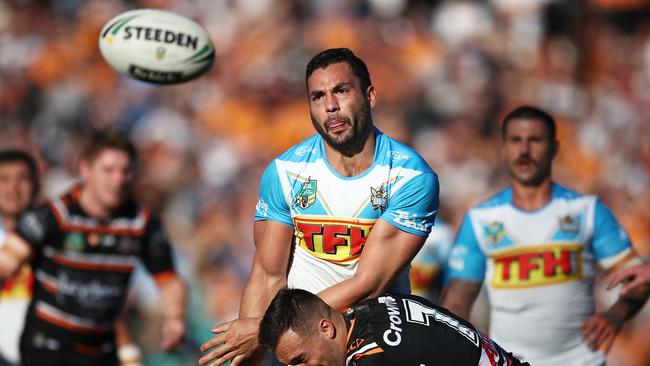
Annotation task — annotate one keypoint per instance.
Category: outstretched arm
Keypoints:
(386, 253)
(237, 340)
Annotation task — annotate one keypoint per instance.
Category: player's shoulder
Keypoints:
(397, 154)
(498, 199)
(308, 150)
(562, 192)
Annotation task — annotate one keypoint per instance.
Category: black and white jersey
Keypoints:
(409, 330)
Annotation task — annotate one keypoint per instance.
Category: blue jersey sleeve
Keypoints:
(609, 237)
(467, 260)
(272, 204)
(414, 206)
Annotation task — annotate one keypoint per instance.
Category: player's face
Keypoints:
(316, 349)
(108, 177)
(528, 151)
(339, 107)
(16, 188)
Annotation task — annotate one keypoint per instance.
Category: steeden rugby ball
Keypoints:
(156, 46)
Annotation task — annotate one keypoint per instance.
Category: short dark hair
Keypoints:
(108, 139)
(530, 112)
(336, 55)
(290, 309)
(20, 156)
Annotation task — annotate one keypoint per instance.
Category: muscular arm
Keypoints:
(386, 253)
(237, 340)
(459, 295)
(13, 254)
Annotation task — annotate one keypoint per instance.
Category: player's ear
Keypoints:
(327, 329)
(371, 94)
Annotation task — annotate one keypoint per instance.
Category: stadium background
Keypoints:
(445, 72)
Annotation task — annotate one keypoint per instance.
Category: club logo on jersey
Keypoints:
(534, 266)
(494, 232)
(379, 197)
(570, 224)
(333, 240)
(307, 194)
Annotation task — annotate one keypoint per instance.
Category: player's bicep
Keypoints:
(273, 247)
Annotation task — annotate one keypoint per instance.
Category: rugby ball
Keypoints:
(156, 46)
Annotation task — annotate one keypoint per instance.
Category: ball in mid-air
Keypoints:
(156, 46)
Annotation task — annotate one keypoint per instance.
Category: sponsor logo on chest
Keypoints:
(334, 240)
(533, 266)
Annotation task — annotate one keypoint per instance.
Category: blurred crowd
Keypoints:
(445, 73)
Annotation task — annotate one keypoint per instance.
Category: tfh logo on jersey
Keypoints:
(533, 266)
(334, 240)
(307, 194)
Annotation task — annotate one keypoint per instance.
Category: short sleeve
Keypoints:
(467, 260)
(157, 254)
(413, 208)
(36, 226)
(609, 237)
(272, 204)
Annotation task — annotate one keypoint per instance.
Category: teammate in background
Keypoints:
(18, 191)
(330, 191)
(301, 329)
(632, 279)
(537, 243)
(83, 247)
(429, 267)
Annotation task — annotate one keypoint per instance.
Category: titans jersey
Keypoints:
(332, 215)
(539, 270)
(429, 267)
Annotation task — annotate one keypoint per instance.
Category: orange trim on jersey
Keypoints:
(63, 323)
(100, 229)
(368, 353)
(50, 287)
(86, 350)
(91, 266)
(164, 276)
(352, 322)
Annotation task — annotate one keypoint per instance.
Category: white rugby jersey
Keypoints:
(332, 215)
(539, 270)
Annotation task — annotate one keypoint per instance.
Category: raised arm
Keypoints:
(386, 253)
(13, 254)
(237, 339)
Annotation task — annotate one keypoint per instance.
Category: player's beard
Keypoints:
(351, 141)
(541, 172)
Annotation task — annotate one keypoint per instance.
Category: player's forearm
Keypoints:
(342, 295)
(258, 293)
(173, 293)
(628, 305)
(459, 295)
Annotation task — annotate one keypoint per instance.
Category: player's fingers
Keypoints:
(237, 360)
(232, 355)
(222, 327)
(213, 342)
(216, 353)
(636, 282)
(616, 278)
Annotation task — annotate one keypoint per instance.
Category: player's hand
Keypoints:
(600, 331)
(173, 331)
(631, 278)
(235, 340)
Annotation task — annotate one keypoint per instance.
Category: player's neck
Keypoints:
(92, 206)
(350, 165)
(530, 198)
(343, 334)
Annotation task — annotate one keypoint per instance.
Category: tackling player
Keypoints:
(301, 329)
